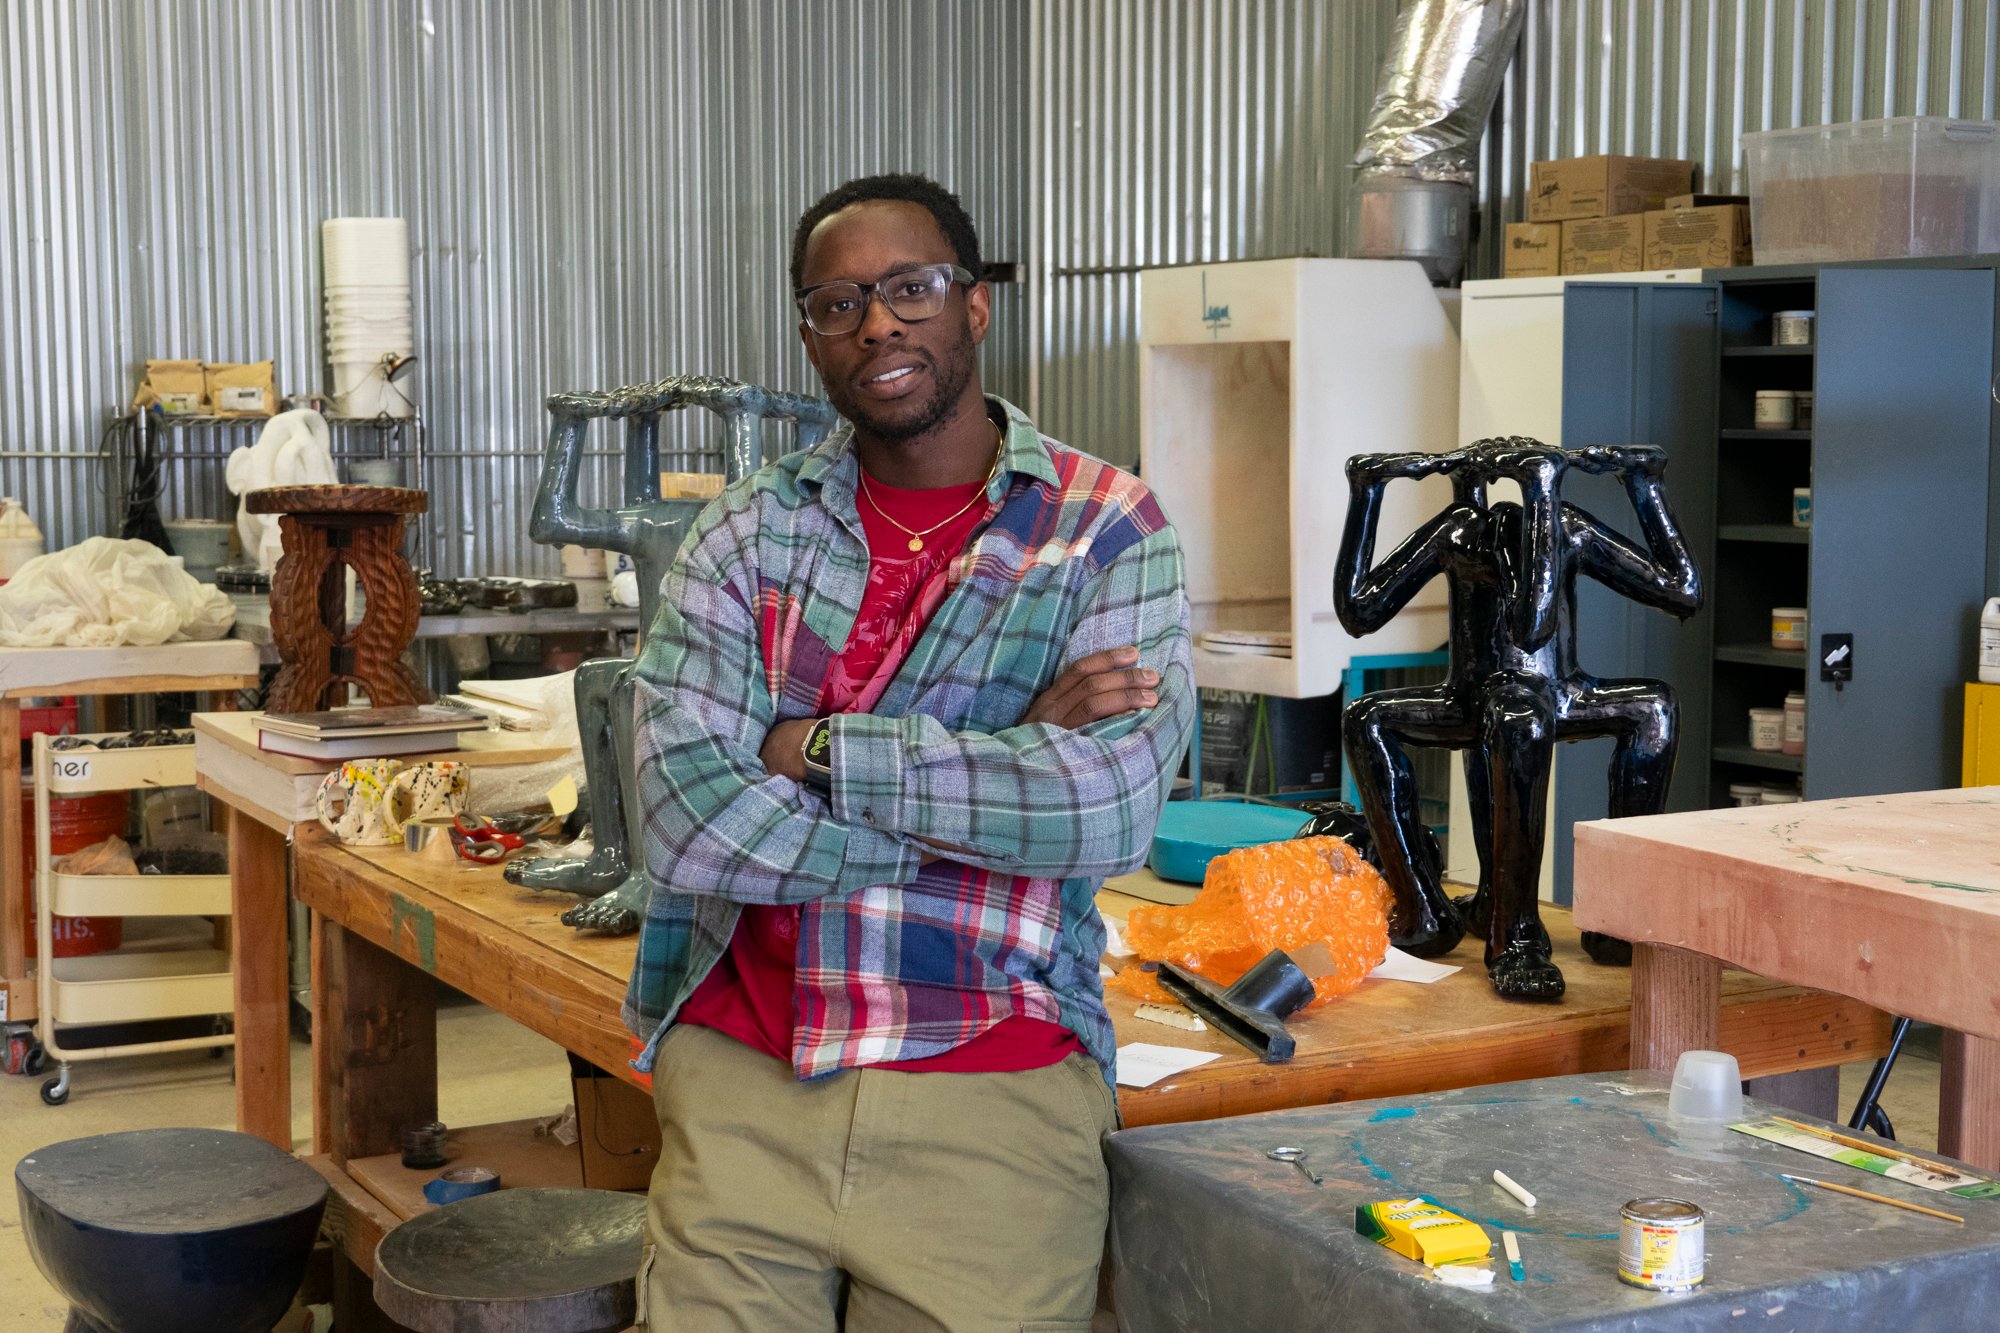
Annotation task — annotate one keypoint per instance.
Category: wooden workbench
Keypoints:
(385, 922)
(218, 666)
(1894, 900)
(268, 796)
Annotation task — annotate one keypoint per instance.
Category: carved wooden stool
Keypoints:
(328, 530)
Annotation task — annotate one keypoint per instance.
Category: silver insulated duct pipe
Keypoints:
(1413, 196)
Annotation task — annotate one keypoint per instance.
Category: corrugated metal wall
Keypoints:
(1182, 131)
(598, 191)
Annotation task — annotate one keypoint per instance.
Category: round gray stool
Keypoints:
(170, 1230)
(547, 1260)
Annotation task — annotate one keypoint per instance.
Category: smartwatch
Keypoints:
(817, 753)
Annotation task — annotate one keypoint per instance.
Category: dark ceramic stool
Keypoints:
(170, 1230)
(516, 1260)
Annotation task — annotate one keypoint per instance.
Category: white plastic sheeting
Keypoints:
(108, 593)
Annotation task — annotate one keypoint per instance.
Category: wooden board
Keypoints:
(1892, 898)
(465, 925)
(128, 670)
(506, 947)
(513, 1148)
(1394, 1038)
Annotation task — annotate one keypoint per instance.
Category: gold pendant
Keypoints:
(916, 543)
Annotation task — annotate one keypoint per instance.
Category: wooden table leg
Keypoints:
(13, 885)
(257, 897)
(1969, 1100)
(1676, 999)
(374, 1045)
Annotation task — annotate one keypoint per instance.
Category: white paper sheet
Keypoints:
(1399, 966)
(1141, 1064)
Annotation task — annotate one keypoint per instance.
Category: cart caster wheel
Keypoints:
(54, 1092)
(35, 1061)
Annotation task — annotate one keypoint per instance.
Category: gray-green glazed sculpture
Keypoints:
(650, 530)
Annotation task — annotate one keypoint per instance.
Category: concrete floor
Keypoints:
(490, 1069)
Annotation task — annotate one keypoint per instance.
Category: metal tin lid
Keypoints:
(1671, 1211)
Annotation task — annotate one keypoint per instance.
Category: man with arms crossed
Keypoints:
(910, 697)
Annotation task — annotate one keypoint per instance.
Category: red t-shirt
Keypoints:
(748, 994)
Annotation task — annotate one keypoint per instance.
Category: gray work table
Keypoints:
(1208, 1234)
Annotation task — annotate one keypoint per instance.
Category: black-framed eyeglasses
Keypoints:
(912, 295)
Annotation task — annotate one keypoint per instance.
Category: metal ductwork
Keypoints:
(1413, 195)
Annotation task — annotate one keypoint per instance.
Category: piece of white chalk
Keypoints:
(1501, 1179)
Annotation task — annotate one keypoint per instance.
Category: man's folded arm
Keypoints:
(716, 822)
(1038, 799)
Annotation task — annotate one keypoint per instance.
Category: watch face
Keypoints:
(819, 746)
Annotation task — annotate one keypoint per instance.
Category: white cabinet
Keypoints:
(1510, 383)
(1258, 381)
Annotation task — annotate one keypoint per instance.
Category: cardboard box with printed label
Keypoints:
(1698, 237)
(1532, 250)
(1604, 245)
(1600, 187)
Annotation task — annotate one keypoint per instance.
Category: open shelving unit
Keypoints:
(1760, 560)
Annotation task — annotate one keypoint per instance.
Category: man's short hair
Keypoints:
(905, 187)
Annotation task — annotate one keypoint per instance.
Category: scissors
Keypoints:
(483, 841)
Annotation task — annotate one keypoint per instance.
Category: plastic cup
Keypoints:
(1708, 1088)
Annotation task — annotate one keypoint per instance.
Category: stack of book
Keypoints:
(366, 733)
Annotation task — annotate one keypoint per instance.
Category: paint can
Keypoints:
(1795, 723)
(1802, 409)
(1788, 627)
(1745, 793)
(1662, 1245)
(1777, 409)
(1792, 328)
(1767, 730)
(423, 1145)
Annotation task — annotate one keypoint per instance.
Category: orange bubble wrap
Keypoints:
(1282, 895)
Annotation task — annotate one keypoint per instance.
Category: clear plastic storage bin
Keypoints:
(1874, 189)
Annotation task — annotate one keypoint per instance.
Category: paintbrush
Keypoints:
(1878, 1198)
(1877, 1147)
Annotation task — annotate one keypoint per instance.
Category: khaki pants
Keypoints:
(908, 1201)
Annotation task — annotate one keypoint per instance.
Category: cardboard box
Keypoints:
(1716, 237)
(1604, 245)
(1603, 187)
(1681, 201)
(1533, 250)
(617, 1130)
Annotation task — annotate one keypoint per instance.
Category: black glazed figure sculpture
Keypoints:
(1513, 688)
(650, 530)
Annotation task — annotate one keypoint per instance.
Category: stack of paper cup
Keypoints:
(367, 313)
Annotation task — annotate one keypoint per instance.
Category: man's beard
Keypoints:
(948, 380)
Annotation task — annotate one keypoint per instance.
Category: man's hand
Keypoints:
(1106, 684)
(784, 749)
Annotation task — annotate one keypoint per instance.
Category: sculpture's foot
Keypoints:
(614, 913)
(1432, 930)
(1476, 911)
(1607, 949)
(590, 876)
(1522, 971)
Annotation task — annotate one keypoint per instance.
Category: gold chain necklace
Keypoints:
(916, 537)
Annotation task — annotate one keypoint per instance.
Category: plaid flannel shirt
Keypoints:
(900, 961)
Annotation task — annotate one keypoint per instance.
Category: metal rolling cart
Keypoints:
(150, 980)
